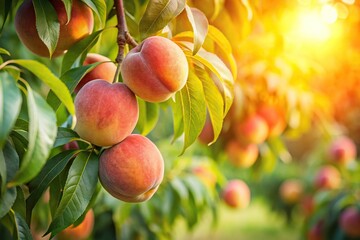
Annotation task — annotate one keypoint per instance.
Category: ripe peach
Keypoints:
(274, 119)
(252, 129)
(236, 194)
(132, 170)
(71, 145)
(81, 231)
(350, 221)
(342, 150)
(79, 26)
(291, 191)
(106, 113)
(242, 155)
(206, 175)
(328, 177)
(155, 69)
(105, 71)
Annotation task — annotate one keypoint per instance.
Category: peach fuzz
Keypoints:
(252, 130)
(240, 155)
(80, 25)
(81, 231)
(155, 69)
(105, 113)
(132, 170)
(105, 71)
(236, 194)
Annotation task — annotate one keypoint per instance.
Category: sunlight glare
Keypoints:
(311, 26)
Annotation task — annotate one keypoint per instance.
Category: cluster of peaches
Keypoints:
(340, 154)
(130, 167)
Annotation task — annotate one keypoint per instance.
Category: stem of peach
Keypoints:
(123, 37)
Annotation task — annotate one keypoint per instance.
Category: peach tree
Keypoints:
(59, 136)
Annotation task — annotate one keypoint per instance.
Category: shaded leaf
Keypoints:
(47, 24)
(158, 14)
(53, 167)
(148, 116)
(78, 49)
(64, 135)
(192, 101)
(7, 200)
(5, 9)
(79, 188)
(19, 204)
(42, 134)
(71, 79)
(55, 84)
(9, 163)
(22, 229)
(10, 104)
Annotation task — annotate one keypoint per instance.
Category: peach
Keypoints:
(342, 150)
(252, 129)
(132, 170)
(291, 191)
(205, 174)
(307, 205)
(350, 221)
(81, 231)
(105, 71)
(328, 177)
(236, 194)
(155, 69)
(71, 145)
(242, 155)
(80, 25)
(274, 119)
(105, 113)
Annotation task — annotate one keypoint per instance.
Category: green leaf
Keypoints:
(7, 200)
(10, 104)
(42, 134)
(99, 8)
(196, 188)
(78, 49)
(71, 78)
(47, 24)
(148, 116)
(180, 188)
(199, 25)
(19, 204)
(158, 14)
(9, 163)
(79, 188)
(51, 170)
(4, 51)
(214, 101)
(192, 101)
(64, 135)
(22, 229)
(55, 84)
(5, 9)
